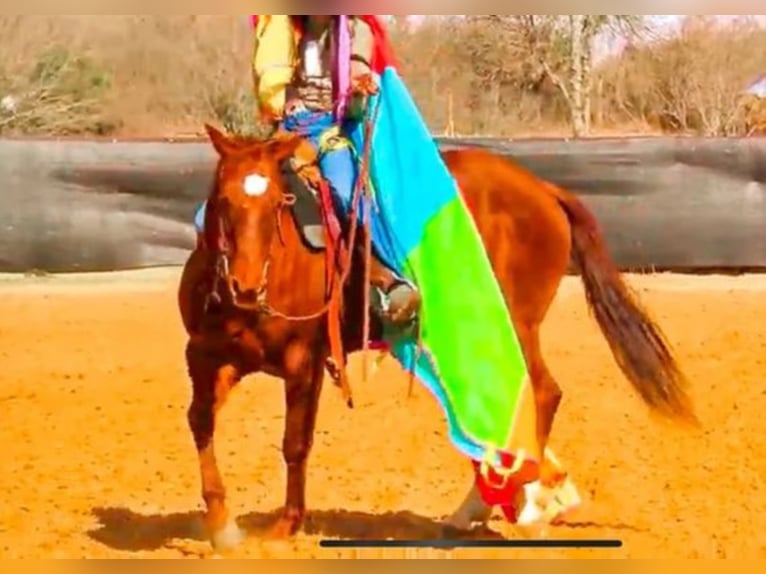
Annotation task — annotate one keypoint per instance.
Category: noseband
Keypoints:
(261, 305)
(222, 268)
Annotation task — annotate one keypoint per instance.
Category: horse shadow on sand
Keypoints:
(124, 530)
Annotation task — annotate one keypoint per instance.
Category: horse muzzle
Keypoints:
(247, 298)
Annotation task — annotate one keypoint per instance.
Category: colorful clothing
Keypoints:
(304, 101)
(277, 57)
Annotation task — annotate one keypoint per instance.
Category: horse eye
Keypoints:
(255, 185)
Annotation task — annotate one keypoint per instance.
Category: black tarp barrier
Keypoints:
(664, 203)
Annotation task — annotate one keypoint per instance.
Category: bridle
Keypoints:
(338, 279)
(337, 273)
(222, 269)
(261, 306)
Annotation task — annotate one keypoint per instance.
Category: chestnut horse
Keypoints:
(252, 298)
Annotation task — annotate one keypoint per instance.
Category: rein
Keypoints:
(261, 304)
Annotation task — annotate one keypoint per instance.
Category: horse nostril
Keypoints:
(241, 293)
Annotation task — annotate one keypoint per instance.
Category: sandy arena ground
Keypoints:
(98, 462)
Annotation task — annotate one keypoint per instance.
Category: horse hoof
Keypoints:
(456, 525)
(544, 505)
(227, 538)
(452, 532)
(284, 529)
(473, 510)
(457, 529)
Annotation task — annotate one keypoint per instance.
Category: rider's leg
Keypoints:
(199, 222)
(339, 167)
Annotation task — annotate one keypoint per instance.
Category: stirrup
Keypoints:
(412, 294)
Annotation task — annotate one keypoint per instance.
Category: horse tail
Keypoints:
(637, 343)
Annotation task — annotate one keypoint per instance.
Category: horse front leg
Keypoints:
(303, 387)
(212, 380)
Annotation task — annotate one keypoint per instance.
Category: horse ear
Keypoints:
(222, 144)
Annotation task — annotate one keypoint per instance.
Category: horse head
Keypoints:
(243, 211)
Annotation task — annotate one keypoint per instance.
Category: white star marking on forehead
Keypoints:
(255, 185)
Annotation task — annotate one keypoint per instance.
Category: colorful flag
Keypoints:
(472, 360)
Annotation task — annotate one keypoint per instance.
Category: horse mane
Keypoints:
(247, 141)
(210, 230)
(243, 141)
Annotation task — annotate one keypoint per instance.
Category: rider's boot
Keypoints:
(403, 299)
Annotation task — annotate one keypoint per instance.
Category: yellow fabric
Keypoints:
(273, 62)
(332, 139)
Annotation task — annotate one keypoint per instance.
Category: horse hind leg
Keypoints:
(546, 390)
(550, 497)
(303, 386)
(212, 382)
(547, 395)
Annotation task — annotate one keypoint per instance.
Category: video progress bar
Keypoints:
(453, 544)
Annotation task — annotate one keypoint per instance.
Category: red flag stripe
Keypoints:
(383, 54)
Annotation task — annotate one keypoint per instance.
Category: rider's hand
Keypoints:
(365, 85)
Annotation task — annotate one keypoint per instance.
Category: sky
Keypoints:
(665, 24)
(607, 45)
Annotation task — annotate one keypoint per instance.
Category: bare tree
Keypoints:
(562, 47)
(578, 34)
